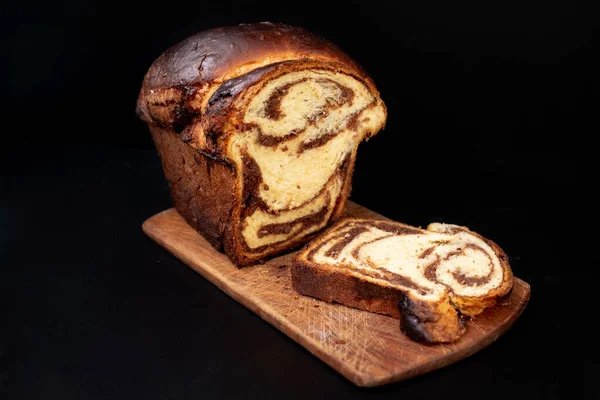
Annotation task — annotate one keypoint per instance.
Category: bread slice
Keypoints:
(257, 127)
(431, 279)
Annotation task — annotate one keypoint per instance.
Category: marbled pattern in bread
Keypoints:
(429, 278)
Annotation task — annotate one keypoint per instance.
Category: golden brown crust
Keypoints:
(202, 189)
(226, 52)
(425, 321)
(336, 287)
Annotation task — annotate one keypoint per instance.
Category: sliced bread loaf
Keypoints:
(431, 279)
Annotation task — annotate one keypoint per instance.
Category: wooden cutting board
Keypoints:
(366, 348)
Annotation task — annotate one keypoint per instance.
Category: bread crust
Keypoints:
(428, 322)
(336, 287)
(223, 53)
(202, 188)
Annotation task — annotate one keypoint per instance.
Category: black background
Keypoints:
(493, 111)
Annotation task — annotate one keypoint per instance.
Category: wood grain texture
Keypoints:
(366, 348)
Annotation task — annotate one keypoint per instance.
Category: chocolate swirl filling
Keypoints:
(348, 237)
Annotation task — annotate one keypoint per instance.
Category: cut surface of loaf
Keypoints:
(429, 278)
(281, 111)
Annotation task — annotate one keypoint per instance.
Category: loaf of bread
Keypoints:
(430, 279)
(257, 127)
